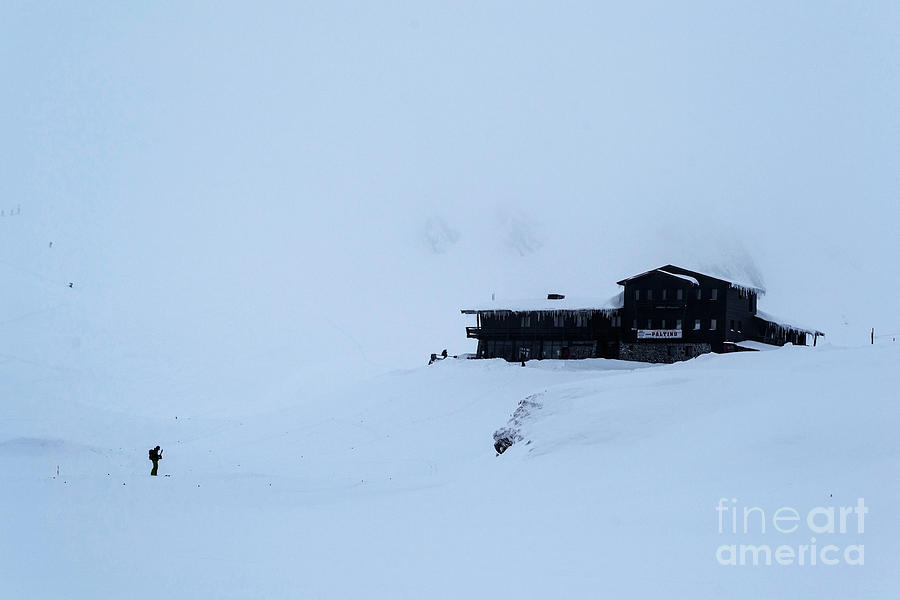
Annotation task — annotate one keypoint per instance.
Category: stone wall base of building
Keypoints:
(660, 352)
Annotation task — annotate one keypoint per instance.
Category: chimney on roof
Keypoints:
(555, 296)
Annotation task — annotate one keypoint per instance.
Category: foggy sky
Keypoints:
(339, 179)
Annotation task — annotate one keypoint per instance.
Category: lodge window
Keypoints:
(663, 324)
(677, 323)
(637, 294)
(696, 323)
(679, 294)
(526, 321)
(699, 294)
(649, 294)
(665, 293)
(712, 324)
(649, 323)
(634, 324)
(714, 294)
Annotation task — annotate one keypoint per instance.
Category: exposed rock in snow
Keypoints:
(520, 232)
(439, 236)
(512, 432)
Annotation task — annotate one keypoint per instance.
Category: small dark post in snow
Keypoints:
(873, 336)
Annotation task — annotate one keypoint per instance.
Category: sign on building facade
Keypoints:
(659, 334)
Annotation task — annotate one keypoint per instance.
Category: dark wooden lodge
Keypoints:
(664, 315)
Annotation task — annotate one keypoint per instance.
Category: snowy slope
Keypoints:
(390, 487)
(270, 216)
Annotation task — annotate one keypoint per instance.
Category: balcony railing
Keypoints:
(534, 333)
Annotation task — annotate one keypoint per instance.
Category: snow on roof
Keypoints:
(742, 277)
(717, 273)
(789, 324)
(543, 304)
(685, 277)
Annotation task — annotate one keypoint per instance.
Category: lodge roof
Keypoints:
(786, 323)
(550, 305)
(692, 277)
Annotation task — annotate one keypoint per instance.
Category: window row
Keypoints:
(527, 349)
(679, 294)
(675, 324)
(661, 323)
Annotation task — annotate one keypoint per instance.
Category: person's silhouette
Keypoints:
(155, 457)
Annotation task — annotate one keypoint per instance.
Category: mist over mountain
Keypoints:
(340, 182)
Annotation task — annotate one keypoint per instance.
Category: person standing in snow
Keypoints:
(155, 457)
